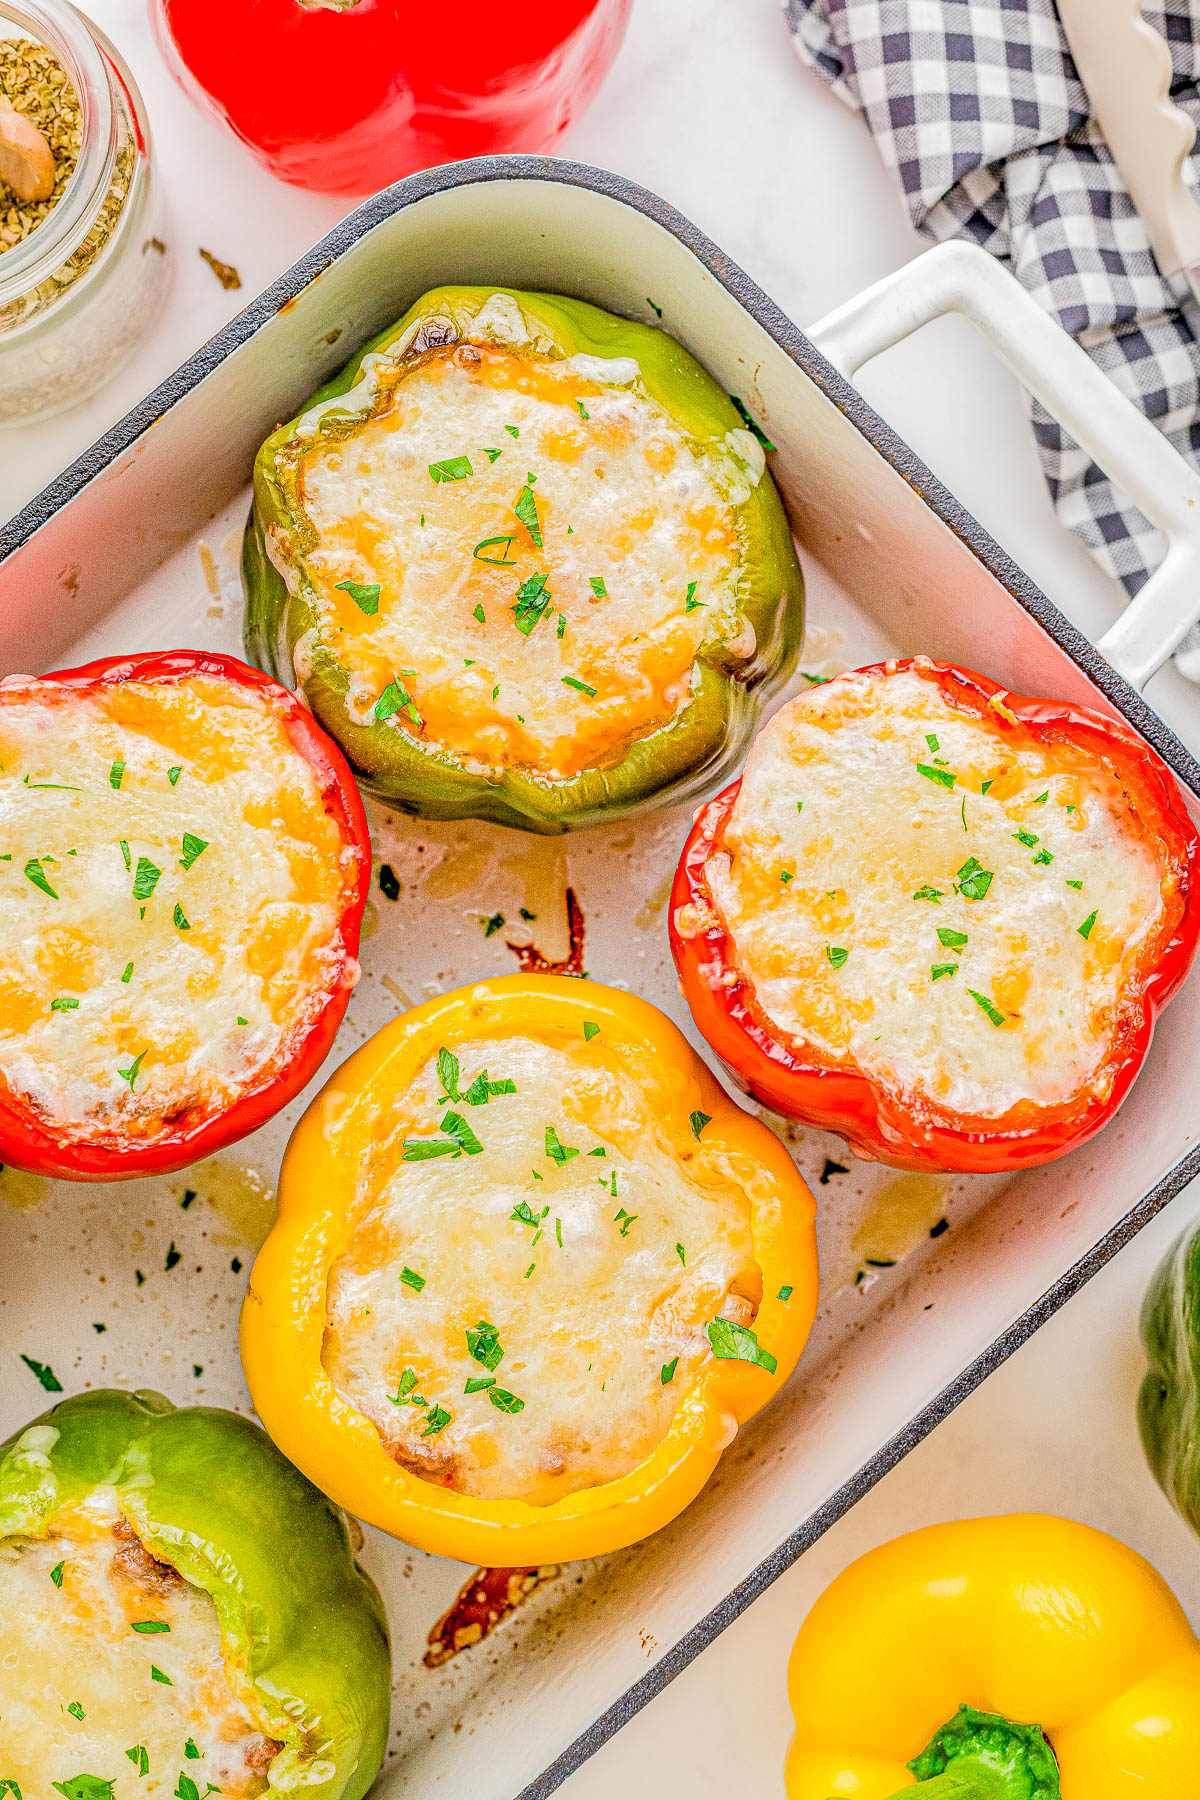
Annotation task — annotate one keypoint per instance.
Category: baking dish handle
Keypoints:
(962, 278)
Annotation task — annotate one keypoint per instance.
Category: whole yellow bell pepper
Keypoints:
(284, 1316)
(1013, 1658)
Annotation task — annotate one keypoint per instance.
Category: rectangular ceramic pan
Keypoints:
(136, 547)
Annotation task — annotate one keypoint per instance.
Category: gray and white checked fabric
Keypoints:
(976, 107)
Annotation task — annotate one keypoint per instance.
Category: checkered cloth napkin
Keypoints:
(976, 107)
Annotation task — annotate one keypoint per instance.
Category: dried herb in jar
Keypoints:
(36, 85)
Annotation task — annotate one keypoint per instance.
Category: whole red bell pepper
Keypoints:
(348, 95)
(33, 1139)
(888, 1120)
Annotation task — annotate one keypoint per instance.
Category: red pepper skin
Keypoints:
(25, 1141)
(346, 96)
(906, 1130)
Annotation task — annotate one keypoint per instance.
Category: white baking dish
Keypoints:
(136, 547)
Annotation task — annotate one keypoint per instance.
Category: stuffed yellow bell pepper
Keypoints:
(1017, 1658)
(531, 1270)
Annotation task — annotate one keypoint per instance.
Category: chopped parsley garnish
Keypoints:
(82, 1787)
(560, 1153)
(835, 955)
(56, 1574)
(512, 431)
(482, 1089)
(456, 1127)
(1041, 799)
(34, 872)
(365, 595)
(1028, 838)
(931, 740)
(1075, 884)
(525, 507)
(145, 878)
(131, 1073)
(598, 1151)
(733, 1342)
(174, 774)
(172, 1257)
(786, 875)
(185, 1788)
(63, 1003)
(936, 1231)
(179, 918)
(448, 1072)
(590, 1030)
(492, 925)
(531, 602)
(189, 1197)
(149, 1627)
(76, 1711)
(505, 1402)
(156, 1674)
(435, 1421)
(785, 1293)
(411, 1279)
(988, 1006)
(1085, 930)
(561, 628)
(193, 847)
(116, 774)
(477, 1383)
(504, 537)
(128, 972)
(623, 1218)
(951, 940)
(453, 468)
(943, 777)
(404, 1387)
(44, 1373)
(582, 410)
(529, 1271)
(697, 1121)
(396, 698)
(973, 880)
(925, 892)
(596, 583)
(573, 681)
(523, 1214)
(125, 856)
(751, 424)
(389, 882)
(985, 785)
(667, 1372)
(483, 1343)
(478, 613)
(140, 1758)
(1044, 855)
(937, 970)
(681, 1254)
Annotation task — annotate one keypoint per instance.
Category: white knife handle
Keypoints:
(1126, 68)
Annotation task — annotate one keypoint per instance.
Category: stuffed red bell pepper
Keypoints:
(937, 917)
(183, 876)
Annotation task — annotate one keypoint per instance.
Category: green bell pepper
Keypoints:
(1169, 1401)
(208, 1493)
(748, 651)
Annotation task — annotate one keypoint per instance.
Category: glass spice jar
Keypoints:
(78, 290)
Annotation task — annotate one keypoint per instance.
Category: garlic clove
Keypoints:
(26, 160)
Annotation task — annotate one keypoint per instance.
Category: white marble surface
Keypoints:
(708, 106)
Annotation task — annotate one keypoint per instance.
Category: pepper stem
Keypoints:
(965, 1783)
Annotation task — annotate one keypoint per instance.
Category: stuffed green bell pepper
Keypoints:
(526, 563)
(1169, 1402)
(180, 1613)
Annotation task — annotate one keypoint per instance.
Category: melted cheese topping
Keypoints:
(637, 566)
(839, 843)
(77, 1688)
(197, 984)
(587, 1290)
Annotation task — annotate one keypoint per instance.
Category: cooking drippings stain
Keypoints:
(21, 1191)
(899, 1216)
(532, 961)
(465, 864)
(240, 1198)
(539, 874)
(649, 915)
(485, 1601)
